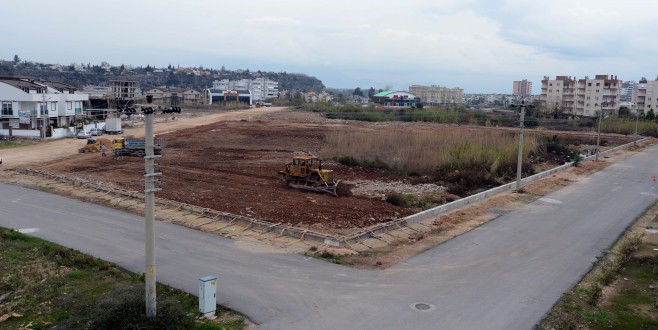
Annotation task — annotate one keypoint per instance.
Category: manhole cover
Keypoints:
(422, 307)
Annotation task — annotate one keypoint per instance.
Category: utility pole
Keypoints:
(149, 212)
(598, 136)
(519, 161)
(637, 119)
(45, 108)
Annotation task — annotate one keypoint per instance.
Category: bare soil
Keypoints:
(229, 162)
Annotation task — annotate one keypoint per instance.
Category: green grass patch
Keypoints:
(633, 305)
(50, 286)
(7, 144)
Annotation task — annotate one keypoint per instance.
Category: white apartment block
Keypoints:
(434, 95)
(646, 97)
(582, 97)
(261, 88)
(522, 88)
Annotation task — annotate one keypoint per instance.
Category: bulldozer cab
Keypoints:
(91, 141)
(301, 166)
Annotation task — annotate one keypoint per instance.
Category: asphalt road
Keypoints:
(505, 274)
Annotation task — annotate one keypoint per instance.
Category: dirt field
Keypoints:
(231, 165)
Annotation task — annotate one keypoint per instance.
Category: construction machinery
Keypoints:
(94, 145)
(129, 146)
(306, 173)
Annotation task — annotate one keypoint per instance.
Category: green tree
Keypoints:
(17, 59)
(358, 91)
(371, 92)
(624, 112)
(650, 115)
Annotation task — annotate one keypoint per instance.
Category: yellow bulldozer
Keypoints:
(94, 145)
(306, 173)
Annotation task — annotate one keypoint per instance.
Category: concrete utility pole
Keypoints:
(45, 108)
(598, 136)
(519, 161)
(637, 119)
(149, 215)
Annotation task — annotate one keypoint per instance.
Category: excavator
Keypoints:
(306, 173)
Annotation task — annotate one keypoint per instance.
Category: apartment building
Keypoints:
(600, 93)
(522, 88)
(646, 97)
(581, 97)
(436, 95)
(261, 88)
(558, 94)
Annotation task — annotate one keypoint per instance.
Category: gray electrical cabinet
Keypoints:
(208, 296)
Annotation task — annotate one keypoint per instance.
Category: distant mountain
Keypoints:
(150, 77)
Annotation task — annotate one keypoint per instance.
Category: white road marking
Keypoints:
(550, 200)
(649, 194)
(28, 230)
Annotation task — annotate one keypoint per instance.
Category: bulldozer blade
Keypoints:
(329, 189)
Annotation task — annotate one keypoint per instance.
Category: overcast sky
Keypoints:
(478, 45)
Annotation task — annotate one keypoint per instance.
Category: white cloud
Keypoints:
(480, 44)
(272, 21)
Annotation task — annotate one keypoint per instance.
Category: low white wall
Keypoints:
(21, 132)
(100, 125)
(59, 133)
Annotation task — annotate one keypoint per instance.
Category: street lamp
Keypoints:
(519, 160)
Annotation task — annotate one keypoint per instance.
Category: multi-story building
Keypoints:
(558, 94)
(261, 88)
(582, 97)
(601, 93)
(627, 90)
(30, 106)
(124, 90)
(522, 88)
(435, 95)
(647, 95)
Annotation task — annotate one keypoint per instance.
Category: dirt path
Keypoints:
(57, 149)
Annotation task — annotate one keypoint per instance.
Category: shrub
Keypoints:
(125, 309)
(402, 200)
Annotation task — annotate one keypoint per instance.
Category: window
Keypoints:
(598, 84)
(69, 105)
(589, 84)
(43, 108)
(7, 109)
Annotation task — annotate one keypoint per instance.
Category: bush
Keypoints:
(401, 200)
(125, 309)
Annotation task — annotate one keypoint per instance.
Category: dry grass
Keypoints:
(427, 149)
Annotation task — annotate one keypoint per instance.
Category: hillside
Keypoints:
(149, 77)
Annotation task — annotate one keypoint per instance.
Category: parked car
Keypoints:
(96, 131)
(83, 135)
